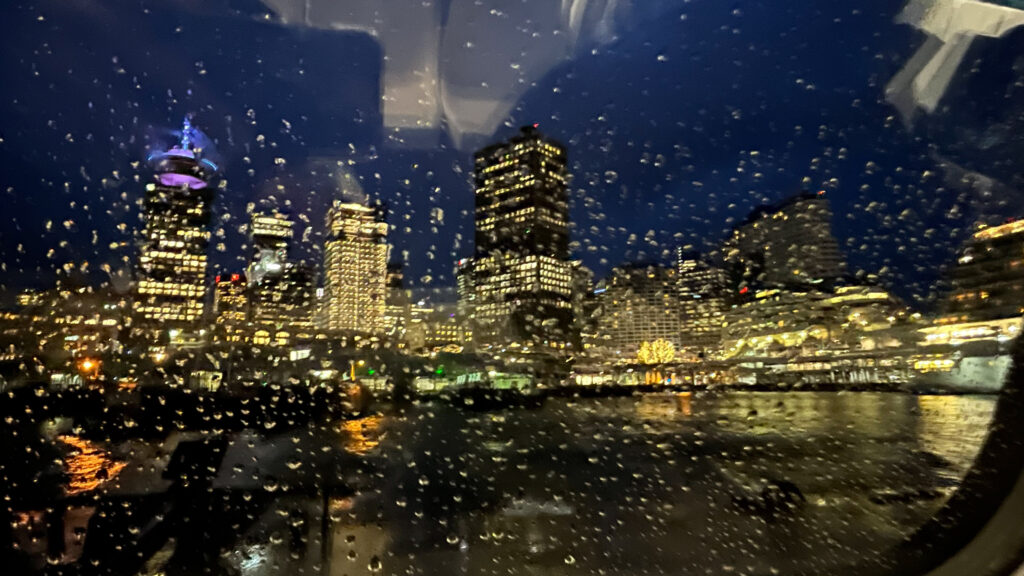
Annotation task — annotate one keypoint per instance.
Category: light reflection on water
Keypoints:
(953, 427)
(87, 466)
(642, 474)
(363, 434)
(613, 483)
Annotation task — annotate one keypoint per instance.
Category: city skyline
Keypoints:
(640, 165)
(272, 232)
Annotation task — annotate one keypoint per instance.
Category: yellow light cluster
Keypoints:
(994, 232)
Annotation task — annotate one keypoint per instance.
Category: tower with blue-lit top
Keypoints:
(170, 283)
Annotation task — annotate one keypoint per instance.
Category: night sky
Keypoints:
(678, 121)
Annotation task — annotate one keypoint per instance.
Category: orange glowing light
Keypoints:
(88, 467)
(363, 434)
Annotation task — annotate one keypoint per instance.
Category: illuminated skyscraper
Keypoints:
(282, 306)
(280, 292)
(789, 244)
(521, 276)
(398, 305)
(170, 288)
(584, 307)
(703, 290)
(270, 235)
(355, 269)
(230, 308)
(464, 289)
(522, 198)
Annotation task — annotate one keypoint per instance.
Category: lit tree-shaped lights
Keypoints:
(658, 352)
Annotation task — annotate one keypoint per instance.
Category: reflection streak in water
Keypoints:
(363, 434)
(88, 467)
(615, 484)
(949, 428)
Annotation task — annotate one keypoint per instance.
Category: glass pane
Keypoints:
(586, 287)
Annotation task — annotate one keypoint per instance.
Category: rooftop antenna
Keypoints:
(186, 133)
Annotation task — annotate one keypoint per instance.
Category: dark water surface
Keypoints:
(660, 484)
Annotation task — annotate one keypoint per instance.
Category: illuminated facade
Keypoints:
(787, 323)
(789, 244)
(584, 307)
(777, 324)
(639, 304)
(170, 288)
(270, 234)
(435, 328)
(355, 269)
(987, 300)
(398, 304)
(521, 276)
(703, 291)
(282, 306)
(230, 308)
(280, 292)
(76, 319)
(466, 298)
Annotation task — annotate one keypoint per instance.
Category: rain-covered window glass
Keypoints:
(468, 287)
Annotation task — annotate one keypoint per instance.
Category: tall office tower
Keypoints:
(355, 269)
(703, 293)
(282, 306)
(398, 303)
(584, 306)
(789, 244)
(521, 274)
(465, 299)
(230, 308)
(170, 288)
(464, 294)
(270, 234)
(280, 292)
(640, 303)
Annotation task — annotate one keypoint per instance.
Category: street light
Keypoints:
(352, 368)
(89, 368)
